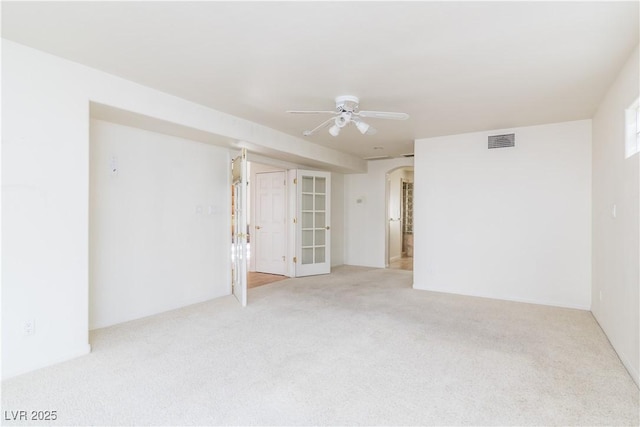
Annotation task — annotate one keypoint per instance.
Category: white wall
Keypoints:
(337, 219)
(157, 224)
(45, 191)
(45, 209)
(616, 265)
(508, 223)
(366, 211)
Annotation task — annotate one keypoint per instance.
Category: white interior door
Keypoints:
(313, 234)
(269, 240)
(239, 243)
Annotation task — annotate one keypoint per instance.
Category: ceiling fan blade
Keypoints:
(310, 112)
(320, 126)
(383, 115)
(371, 131)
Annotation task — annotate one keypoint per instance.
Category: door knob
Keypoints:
(327, 227)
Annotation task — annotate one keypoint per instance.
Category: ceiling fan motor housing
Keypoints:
(347, 103)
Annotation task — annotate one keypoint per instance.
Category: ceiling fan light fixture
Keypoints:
(334, 130)
(362, 126)
(343, 119)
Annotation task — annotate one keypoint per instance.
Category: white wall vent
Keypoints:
(502, 141)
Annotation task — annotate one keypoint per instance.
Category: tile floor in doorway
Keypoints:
(255, 279)
(404, 263)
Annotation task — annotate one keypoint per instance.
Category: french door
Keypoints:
(313, 223)
(239, 233)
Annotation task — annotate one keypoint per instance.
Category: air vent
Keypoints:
(377, 158)
(502, 141)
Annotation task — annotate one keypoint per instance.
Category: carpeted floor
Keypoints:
(355, 347)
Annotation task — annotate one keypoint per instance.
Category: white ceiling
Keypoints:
(455, 67)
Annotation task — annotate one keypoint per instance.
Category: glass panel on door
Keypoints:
(313, 219)
(314, 213)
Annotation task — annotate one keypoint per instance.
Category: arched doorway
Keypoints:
(399, 212)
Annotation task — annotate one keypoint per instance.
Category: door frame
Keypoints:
(387, 206)
(290, 212)
(291, 197)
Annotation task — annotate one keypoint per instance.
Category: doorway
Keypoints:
(266, 229)
(288, 223)
(269, 222)
(399, 208)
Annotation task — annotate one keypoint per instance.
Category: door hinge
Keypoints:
(295, 221)
(295, 180)
(295, 259)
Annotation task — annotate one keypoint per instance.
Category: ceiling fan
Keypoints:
(348, 111)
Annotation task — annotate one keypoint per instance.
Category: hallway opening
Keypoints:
(399, 207)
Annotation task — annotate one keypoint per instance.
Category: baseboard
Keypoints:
(635, 376)
(512, 299)
(82, 350)
(632, 372)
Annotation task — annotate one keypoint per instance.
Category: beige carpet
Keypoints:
(355, 347)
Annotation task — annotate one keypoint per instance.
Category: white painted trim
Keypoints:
(621, 355)
(387, 190)
(625, 362)
(512, 299)
(63, 357)
(227, 205)
(635, 376)
(291, 214)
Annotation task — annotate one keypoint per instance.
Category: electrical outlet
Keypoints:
(113, 165)
(29, 327)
